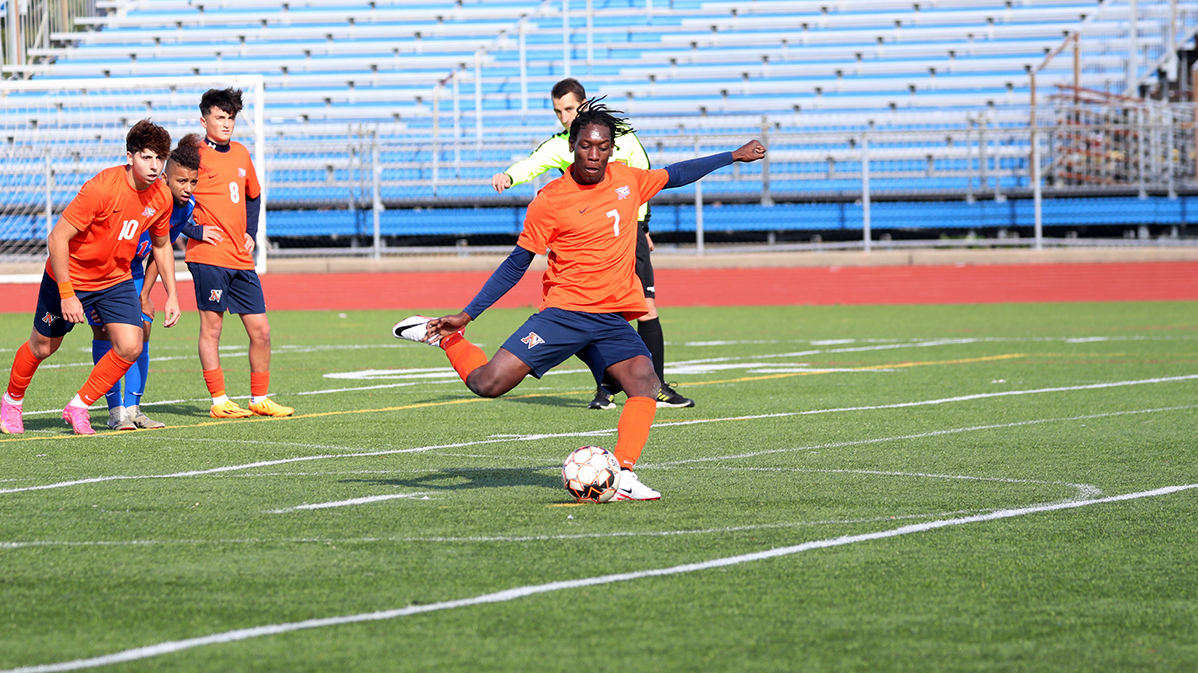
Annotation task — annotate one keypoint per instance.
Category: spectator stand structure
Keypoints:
(384, 120)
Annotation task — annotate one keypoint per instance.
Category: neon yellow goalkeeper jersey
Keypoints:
(556, 153)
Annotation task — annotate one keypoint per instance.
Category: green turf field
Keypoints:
(927, 488)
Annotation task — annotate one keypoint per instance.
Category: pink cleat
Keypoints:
(79, 420)
(10, 418)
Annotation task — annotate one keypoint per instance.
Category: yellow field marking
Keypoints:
(422, 405)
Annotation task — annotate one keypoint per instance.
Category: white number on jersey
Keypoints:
(234, 193)
(615, 225)
(128, 230)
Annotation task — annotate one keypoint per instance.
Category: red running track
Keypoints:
(976, 284)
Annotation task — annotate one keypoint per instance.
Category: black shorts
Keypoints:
(644, 265)
(218, 289)
(116, 304)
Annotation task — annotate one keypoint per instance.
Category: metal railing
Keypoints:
(29, 24)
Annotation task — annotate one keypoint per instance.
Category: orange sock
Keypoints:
(107, 371)
(23, 367)
(259, 383)
(633, 429)
(215, 378)
(464, 356)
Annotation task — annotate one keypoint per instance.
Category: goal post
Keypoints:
(55, 134)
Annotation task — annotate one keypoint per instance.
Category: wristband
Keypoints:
(65, 290)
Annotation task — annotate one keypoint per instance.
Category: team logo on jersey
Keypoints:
(241, 172)
(533, 339)
(215, 295)
(148, 212)
(49, 318)
(623, 192)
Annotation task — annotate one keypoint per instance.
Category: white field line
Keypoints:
(921, 435)
(594, 433)
(507, 595)
(350, 502)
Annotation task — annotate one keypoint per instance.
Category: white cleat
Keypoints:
(415, 329)
(631, 488)
(118, 421)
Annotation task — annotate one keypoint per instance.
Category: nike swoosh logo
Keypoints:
(583, 210)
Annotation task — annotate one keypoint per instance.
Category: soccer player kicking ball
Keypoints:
(91, 248)
(587, 221)
(227, 199)
(568, 97)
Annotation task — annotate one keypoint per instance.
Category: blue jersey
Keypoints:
(181, 218)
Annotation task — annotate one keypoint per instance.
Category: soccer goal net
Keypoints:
(58, 133)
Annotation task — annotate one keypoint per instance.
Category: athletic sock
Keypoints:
(463, 355)
(110, 368)
(24, 365)
(100, 348)
(135, 378)
(215, 380)
(650, 331)
(632, 431)
(259, 386)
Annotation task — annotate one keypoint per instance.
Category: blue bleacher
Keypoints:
(818, 72)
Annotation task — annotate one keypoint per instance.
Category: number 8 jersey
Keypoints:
(227, 181)
(111, 216)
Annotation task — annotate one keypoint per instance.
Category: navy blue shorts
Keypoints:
(116, 304)
(138, 283)
(220, 289)
(550, 337)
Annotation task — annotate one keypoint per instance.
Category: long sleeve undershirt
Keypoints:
(505, 278)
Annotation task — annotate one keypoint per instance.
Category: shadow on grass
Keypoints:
(458, 479)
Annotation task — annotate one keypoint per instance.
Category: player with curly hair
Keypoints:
(586, 219)
(88, 273)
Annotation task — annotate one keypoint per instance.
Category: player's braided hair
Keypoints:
(146, 135)
(187, 153)
(228, 100)
(595, 112)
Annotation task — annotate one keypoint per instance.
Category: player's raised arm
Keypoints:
(686, 172)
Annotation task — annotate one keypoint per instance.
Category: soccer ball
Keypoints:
(591, 474)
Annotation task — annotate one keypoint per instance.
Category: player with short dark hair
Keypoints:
(568, 96)
(88, 274)
(180, 174)
(590, 290)
(228, 199)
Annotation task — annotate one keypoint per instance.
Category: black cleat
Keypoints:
(604, 400)
(667, 397)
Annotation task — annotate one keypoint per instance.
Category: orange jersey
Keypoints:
(111, 216)
(590, 231)
(227, 179)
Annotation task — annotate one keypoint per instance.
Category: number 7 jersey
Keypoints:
(227, 179)
(590, 231)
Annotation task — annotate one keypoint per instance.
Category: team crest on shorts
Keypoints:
(533, 339)
(49, 318)
(623, 192)
(215, 295)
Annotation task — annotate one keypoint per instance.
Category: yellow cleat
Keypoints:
(267, 407)
(229, 409)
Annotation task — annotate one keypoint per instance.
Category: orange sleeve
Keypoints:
(87, 204)
(252, 188)
(537, 225)
(651, 182)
